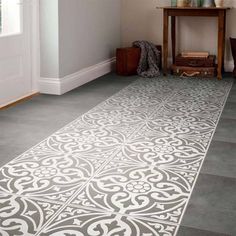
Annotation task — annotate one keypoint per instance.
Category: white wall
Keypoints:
(76, 34)
(142, 21)
(89, 32)
(49, 39)
(78, 41)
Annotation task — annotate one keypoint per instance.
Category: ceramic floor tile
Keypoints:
(232, 96)
(83, 222)
(179, 124)
(207, 94)
(166, 152)
(212, 206)
(52, 177)
(187, 231)
(123, 122)
(83, 139)
(144, 191)
(215, 192)
(190, 114)
(23, 216)
(220, 221)
(233, 87)
(9, 151)
(108, 116)
(14, 131)
(225, 131)
(221, 159)
(134, 98)
(229, 110)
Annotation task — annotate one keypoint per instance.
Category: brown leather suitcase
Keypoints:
(195, 61)
(127, 60)
(186, 71)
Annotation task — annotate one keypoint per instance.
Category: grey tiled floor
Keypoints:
(28, 123)
(212, 208)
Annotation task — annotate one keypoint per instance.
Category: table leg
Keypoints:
(165, 41)
(173, 37)
(221, 19)
(223, 67)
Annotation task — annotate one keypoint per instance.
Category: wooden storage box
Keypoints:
(195, 61)
(187, 71)
(127, 60)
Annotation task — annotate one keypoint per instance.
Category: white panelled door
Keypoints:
(15, 50)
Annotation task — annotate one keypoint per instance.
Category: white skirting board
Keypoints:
(59, 86)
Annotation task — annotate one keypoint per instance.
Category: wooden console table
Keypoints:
(193, 11)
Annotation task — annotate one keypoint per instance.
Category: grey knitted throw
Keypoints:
(149, 61)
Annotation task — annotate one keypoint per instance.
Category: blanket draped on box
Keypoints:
(149, 61)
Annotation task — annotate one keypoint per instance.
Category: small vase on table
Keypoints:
(219, 3)
(195, 3)
(208, 3)
(181, 3)
(174, 3)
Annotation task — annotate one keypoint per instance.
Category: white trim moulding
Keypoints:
(59, 86)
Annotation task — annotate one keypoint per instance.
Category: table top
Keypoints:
(194, 8)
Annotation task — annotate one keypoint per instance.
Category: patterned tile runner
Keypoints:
(125, 168)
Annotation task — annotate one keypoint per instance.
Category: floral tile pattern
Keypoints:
(82, 222)
(23, 216)
(176, 152)
(51, 177)
(146, 191)
(127, 167)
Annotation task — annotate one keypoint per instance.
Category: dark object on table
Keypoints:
(127, 60)
(233, 47)
(195, 61)
(188, 71)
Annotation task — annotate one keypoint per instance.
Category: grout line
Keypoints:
(220, 176)
(122, 214)
(158, 166)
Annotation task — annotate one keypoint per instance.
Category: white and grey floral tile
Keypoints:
(163, 152)
(23, 216)
(87, 139)
(144, 191)
(51, 178)
(75, 221)
(127, 167)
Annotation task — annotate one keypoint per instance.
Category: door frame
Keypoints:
(34, 53)
(35, 45)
